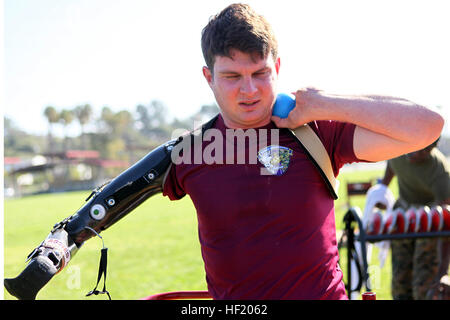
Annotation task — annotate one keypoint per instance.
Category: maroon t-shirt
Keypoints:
(266, 236)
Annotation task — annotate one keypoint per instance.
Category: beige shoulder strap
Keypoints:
(306, 135)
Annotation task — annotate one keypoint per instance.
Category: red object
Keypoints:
(369, 296)
(413, 222)
(425, 219)
(375, 223)
(11, 160)
(390, 221)
(395, 222)
(437, 218)
(402, 222)
(179, 295)
(82, 154)
(446, 216)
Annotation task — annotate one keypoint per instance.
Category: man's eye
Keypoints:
(232, 76)
(261, 74)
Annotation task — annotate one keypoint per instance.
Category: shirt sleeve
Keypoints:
(171, 187)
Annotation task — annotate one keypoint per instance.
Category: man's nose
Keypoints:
(248, 86)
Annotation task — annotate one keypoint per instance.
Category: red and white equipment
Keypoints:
(402, 222)
(437, 218)
(424, 217)
(395, 222)
(390, 219)
(375, 223)
(446, 216)
(413, 221)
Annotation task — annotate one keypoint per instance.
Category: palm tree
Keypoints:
(107, 119)
(83, 114)
(52, 117)
(66, 117)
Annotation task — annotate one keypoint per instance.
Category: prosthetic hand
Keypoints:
(105, 206)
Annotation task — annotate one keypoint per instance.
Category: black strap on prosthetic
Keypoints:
(101, 270)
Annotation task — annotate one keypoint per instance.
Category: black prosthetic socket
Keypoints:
(116, 199)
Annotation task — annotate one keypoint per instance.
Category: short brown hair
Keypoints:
(239, 27)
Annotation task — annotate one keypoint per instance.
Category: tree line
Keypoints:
(118, 135)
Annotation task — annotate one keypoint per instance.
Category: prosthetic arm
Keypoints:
(105, 206)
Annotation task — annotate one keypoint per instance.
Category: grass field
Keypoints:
(154, 249)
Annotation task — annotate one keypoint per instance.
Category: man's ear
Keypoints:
(208, 75)
(277, 65)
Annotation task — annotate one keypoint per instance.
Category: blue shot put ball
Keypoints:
(283, 105)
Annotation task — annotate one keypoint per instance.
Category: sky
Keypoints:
(121, 53)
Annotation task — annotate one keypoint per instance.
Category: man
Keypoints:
(265, 216)
(418, 264)
(273, 236)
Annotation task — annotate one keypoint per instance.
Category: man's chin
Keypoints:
(253, 122)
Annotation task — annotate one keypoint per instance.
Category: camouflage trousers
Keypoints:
(414, 267)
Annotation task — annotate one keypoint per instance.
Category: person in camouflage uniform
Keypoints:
(414, 268)
(418, 264)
